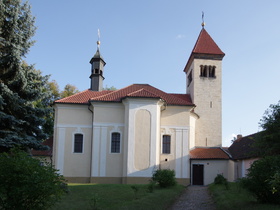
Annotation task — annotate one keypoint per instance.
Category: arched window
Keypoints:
(190, 78)
(203, 71)
(166, 140)
(116, 143)
(78, 143)
(212, 71)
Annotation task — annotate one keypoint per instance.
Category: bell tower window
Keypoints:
(207, 71)
(190, 78)
(203, 71)
(212, 71)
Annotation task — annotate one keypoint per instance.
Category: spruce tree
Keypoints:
(23, 93)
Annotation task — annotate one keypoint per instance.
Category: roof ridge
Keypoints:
(96, 97)
(142, 90)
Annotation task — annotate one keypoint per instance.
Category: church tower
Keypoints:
(204, 84)
(97, 66)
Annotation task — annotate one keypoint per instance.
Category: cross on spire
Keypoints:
(203, 23)
(98, 41)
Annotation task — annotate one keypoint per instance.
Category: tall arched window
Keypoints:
(116, 142)
(212, 71)
(78, 143)
(166, 141)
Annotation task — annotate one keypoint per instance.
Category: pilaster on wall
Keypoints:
(60, 146)
(182, 151)
(131, 107)
(99, 147)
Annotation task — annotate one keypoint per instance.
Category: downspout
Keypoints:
(190, 172)
(91, 141)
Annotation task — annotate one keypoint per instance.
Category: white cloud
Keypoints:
(180, 36)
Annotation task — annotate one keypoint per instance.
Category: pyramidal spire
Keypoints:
(206, 45)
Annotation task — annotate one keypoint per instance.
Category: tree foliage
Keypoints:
(109, 88)
(268, 141)
(25, 184)
(68, 91)
(263, 179)
(23, 90)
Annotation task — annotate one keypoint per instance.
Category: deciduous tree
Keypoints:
(69, 90)
(268, 141)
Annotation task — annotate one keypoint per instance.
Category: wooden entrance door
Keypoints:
(197, 174)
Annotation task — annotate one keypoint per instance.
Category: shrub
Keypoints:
(26, 184)
(220, 179)
(151, 186)
(135, 189)
(263, 179)
(164, 177)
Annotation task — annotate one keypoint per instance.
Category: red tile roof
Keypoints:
(208, 153)
(132, 91)
(48, 142)
(206, 45)
(82, 97)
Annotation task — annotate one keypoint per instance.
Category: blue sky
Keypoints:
(149, 41)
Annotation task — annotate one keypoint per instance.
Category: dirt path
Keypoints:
(194, 198)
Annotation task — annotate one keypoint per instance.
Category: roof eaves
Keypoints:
(78, 103)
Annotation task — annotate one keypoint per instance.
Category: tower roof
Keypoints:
(97, 57)
(205, 47)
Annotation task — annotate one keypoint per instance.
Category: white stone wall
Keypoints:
(71, 120)
(212, 168)
(206, 93)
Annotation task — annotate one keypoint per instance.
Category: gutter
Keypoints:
(91, 141)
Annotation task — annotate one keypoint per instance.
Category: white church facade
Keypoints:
(123, 136)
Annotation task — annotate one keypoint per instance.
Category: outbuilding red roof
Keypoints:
(132, 91)
(48, 142)
(208, 153)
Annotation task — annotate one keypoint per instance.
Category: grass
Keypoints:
(237, 198)
(117, 196)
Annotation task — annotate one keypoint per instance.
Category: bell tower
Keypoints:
(97, 66)
(204, 84)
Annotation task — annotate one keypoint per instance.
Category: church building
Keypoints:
(123, 136)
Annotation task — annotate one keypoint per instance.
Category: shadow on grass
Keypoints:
(237, 197)
(117, 196)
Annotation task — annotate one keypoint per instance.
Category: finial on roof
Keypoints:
(98, 41)
(203, 23)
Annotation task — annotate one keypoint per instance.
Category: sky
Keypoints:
(150, 41)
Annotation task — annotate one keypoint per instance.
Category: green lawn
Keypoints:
(117, 196)
(237, 198)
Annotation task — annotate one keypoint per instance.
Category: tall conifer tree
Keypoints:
(23, 92)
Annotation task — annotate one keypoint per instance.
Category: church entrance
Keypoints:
(197, 174)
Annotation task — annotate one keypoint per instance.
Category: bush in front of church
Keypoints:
(27, 184)
(164, 177)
